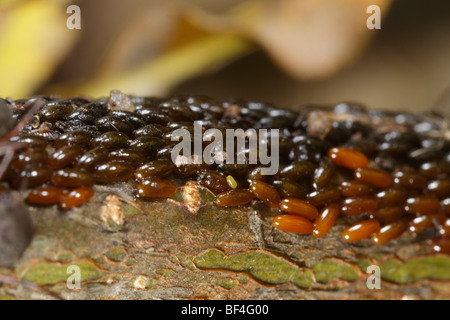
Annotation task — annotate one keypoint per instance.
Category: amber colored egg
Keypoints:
(76, 197)
(440, 188)
(326, 220)
(156, 188)
(359, 205)
(293, 223)
(348, 158)
(445, 205)
(419, 224)
(234, 197)
(361, 230)
(375, 177)
(390, 231)
(46, 195)
(422, 205)
(441, 245)
(266, 193)
(444, 228)
(299, 207)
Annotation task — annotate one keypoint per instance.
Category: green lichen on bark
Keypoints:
(50, 273)
(116, 254)
(261, 266)
(328, 270)
(433, 268)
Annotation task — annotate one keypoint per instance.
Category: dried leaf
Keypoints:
(307, 38)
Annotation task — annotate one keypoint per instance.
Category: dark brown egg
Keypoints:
(213, 180)
(355, 188)
(31, 176)
(410, 180)
(388, 214)
(288, 188)
(147, 145)
(325, 196)
(92, 158)
(128, 156)
(155, 168)
(64, 156)
(113, 171)
(29, 156)
(111, 140)
(149, 130)
(55, 111)
(72, 178)
(31, 141)
(298, 170)
(323, 174)
(392, 196)
(78, 138)
(109, 123)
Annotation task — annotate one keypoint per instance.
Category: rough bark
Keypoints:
(159, 250)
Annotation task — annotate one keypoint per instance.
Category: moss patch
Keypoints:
(327, 270)
(260, 266)
(50, 273)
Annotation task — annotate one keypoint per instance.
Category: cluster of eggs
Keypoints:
(395, 179)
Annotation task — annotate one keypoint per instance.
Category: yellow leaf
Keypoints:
(33, 40)
(158, 76)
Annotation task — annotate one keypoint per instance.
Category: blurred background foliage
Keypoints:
(288, 52)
